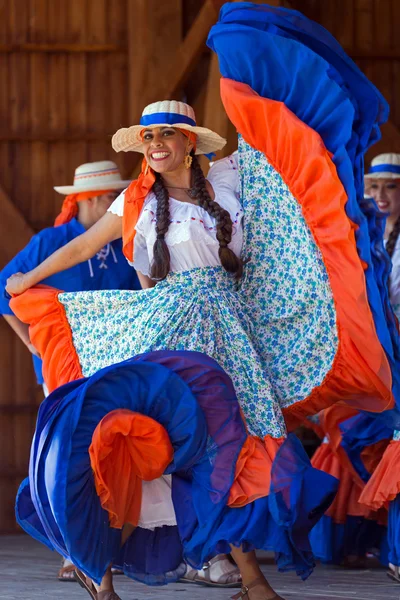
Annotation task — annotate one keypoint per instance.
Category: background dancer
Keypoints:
(95, 187)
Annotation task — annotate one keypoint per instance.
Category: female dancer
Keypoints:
(255, 283)
(383, 184)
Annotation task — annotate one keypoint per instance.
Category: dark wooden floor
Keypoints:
(28, 571)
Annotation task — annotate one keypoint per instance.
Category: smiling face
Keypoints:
(165, 148)
(386, 193)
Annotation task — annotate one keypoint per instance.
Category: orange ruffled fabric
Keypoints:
(361, 372)
(50, 333)
(253, 470)
(347, 500)
(384, 485)
(127, 448)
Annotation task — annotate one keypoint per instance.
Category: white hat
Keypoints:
(168, 113)
(91, 177)
(385, 166)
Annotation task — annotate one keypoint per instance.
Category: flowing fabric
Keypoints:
(194, 401)
(225, 367)
(348, 528)
(309, 72)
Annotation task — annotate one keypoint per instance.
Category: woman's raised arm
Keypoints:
(85, 246)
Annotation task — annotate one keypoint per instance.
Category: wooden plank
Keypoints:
(117, 19)
(382, 18)
(63, 48)
(6, 366)
(151, 29)
(364, 38)
(97, 21)
(395, 107)
(46, 136)
(15, 232)
(344, 22)
(59, 106)
(186, 56)
(4, 17)
(214, 114)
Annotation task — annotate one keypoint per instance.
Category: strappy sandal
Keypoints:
(87, 585)
(244, 592)
(64, 570)
(192, 576)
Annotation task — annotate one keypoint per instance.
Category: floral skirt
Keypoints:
(199, 310)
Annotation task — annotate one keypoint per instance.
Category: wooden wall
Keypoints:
(71, 73)
(369, 31)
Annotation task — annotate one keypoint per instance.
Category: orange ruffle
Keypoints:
(384, 485)
(372, 455)
(253, 470)
(127, 448)
(361, 373)
(347, 500)
(50, 333)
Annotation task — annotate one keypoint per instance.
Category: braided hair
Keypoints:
(392, 239)
(162, 259)
(161, 263)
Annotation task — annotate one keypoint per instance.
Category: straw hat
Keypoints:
(90, 177)
(385, 166)
(168, 113)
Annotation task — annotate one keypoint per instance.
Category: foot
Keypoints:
(258, 589)
(66, 573)
(219, 572)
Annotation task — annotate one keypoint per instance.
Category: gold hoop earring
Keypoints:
(146, 169)
(187, 161)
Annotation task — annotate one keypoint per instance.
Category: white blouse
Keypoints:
(191, 236)
(395, 279)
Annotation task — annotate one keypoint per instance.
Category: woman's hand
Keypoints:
(17, 284)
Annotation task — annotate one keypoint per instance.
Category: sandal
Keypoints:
(244, 592)
(67, 568)
(87, 584)
(393, 573)
(231, 579)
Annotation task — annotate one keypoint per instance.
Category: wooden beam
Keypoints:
(15, 232)
(214, 112)
(155, 30)
(390, 141)
(65, 48)
(58, 136)
(373, 54)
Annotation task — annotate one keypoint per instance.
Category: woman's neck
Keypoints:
(181, 178)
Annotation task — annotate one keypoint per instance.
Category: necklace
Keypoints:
(189, 191)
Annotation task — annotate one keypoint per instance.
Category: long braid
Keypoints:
(392, 239)
(162, 260)
(228, 258)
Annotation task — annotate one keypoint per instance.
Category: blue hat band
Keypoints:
(170, 118)
(385, 169)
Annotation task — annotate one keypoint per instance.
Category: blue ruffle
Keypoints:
(333, 542)
(357, 433)
(284, 56)
(394, 532)
(193, 398)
